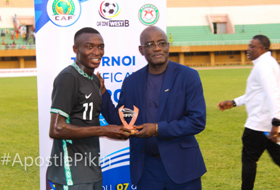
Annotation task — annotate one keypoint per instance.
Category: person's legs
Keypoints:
(152, 176)
(274, 151)
(190, 185)
(254, 143)
(155, 177)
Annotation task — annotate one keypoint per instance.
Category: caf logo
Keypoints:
(64, 12)
(148, 14)
(109, 10)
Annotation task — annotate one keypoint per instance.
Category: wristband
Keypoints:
(234, 104)
(275, 122)
(156, 133)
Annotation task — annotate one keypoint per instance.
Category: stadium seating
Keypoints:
(8, 40)
(202, 35)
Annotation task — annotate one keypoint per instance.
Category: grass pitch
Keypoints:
(19, 132)
(220, 142)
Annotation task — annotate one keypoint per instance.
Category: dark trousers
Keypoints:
(254, 144)
(155, 177)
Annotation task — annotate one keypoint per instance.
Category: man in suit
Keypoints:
(164, 153)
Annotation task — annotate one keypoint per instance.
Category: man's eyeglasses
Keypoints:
(152, 46)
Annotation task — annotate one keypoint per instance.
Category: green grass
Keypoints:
(220, 142)
(19, 132)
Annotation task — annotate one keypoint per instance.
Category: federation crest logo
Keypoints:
(64, 12)
(109, 10)
(148, 14)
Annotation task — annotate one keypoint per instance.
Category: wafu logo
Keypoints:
(64, 13)
(109, 10)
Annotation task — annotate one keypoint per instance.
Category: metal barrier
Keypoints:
(17, 47)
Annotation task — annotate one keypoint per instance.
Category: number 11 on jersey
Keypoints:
(85, 105)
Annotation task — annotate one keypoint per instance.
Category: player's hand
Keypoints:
(225, 105)
(274, 134)
(117, 132)
(102, 85)
(147, 130)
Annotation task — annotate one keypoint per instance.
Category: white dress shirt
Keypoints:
(262, 96)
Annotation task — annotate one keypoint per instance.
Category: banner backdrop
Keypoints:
(120, 23)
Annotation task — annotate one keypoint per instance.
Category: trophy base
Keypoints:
(133, 131)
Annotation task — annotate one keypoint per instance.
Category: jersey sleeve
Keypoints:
(63, 95)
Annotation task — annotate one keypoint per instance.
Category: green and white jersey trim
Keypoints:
(60, 112)
(65, 187)
(81, 71)
(68, 174)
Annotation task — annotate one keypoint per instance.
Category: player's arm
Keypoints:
(63, 97)
(60, 129)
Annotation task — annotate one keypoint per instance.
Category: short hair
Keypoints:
(264, 41)
(85, 30)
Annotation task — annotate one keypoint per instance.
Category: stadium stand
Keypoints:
(20, 41)
(217, 32)
(188, 22)
(200, 35)
(22, 54)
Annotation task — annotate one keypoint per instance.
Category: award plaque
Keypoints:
(125, 112)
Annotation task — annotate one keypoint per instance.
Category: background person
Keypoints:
(17, 33)
(170, 39)
(12, 34)
(74, 126)
(2, 33)
(243, 29)
(262, 101)
(165, 153)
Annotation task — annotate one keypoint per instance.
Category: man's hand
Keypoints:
(148, 130)
(116, 132)
(102, 85)
(274, 134)
(225, 105)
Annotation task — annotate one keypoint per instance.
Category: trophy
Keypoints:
(125, 112)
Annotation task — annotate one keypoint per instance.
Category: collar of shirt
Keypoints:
(263, 56)
(81, 71)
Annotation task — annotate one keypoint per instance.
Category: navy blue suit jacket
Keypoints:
(182, 114)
